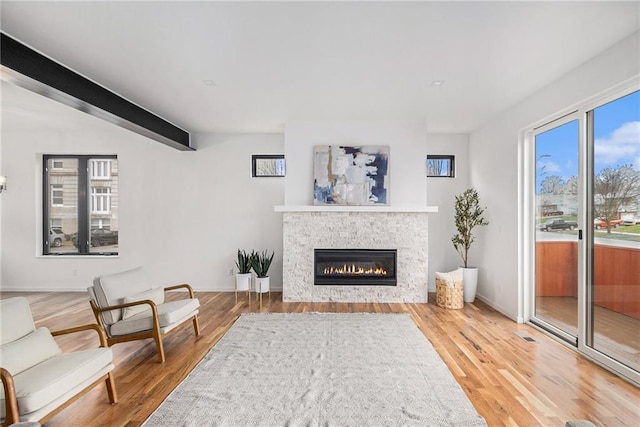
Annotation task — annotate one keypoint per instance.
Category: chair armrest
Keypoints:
(97, 310)
(128, 304)
(11, 402)
(182, 286)
(92, 326)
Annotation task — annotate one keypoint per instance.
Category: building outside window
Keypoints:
(57, 195)
(100, 200)
(100, 169)
(56, 223)
(100, 224)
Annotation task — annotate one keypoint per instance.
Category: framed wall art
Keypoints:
(351, 175)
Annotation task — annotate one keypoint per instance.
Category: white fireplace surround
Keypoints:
(306, 228)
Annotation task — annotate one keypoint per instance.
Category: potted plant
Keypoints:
(468, 216)
(260, 262)
(243, 277)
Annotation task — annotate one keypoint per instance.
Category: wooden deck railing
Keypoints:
(616, 278)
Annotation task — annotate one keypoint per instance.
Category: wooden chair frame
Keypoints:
(12, 414)
(154, 332)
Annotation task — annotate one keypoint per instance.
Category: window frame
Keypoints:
(451, 169)
(83, 205)
(99, 165)
(275, 158)
(100, 195)
(54, 197)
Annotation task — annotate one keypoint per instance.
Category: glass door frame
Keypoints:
(586, 288)
(583, 112)
(530, 221)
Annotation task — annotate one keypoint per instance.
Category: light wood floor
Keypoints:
(615, 334)
(508, 380)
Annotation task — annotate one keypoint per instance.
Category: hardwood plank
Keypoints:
(615, 333)
(510, 381)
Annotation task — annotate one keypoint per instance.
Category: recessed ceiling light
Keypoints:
(209, 82)
(437, 83)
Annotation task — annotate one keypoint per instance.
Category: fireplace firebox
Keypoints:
(355, 267)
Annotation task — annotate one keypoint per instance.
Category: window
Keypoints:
(100, 169)
(81, 196)
(100, 200)
(442, 166)
(267, 165)
(57, 192)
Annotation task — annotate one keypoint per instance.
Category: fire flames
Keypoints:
(354, 270)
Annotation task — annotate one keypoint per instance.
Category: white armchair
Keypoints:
(129, 309)
(38, 379)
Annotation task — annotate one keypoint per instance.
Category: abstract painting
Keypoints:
(357, 175)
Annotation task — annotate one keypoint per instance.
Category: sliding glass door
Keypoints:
(556, 227)
(613, 297)
(584, 210)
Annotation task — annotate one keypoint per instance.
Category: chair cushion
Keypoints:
(16, 320)
(111, 289)
(45, 382)
(28, 351)
(168, 314)
(156, 295)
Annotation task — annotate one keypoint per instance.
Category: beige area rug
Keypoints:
(319, 369)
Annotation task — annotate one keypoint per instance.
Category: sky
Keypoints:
(617, 141)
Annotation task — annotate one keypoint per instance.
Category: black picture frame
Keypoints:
(268, 165)
(441, 166)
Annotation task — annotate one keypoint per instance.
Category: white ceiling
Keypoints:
(279, 62)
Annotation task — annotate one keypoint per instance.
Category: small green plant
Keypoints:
(244, 262)
(260, 262)
(468, 216)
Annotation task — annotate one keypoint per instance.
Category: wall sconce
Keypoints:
(3, 183)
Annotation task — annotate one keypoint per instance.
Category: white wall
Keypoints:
(1, 173)
(407, 141)
(494, 166)
(440, 192)
(183, 215)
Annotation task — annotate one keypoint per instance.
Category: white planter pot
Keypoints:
(243, 281)
(470, 280)
(261, 285)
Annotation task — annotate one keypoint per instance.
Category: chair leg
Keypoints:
(196, 325)
(111, 388)
(12, 412)
(158, 339)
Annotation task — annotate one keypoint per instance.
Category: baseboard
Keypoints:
(227, 290)
(499, 308)
(10, 289)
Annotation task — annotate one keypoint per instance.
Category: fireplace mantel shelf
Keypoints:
(340, 208)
